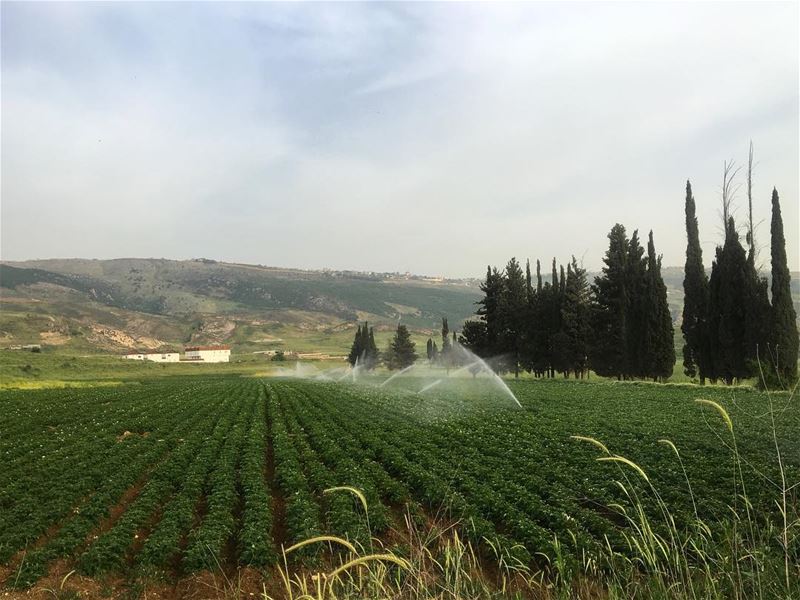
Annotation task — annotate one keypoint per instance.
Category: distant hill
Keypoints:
(87, 305)
(149, 303)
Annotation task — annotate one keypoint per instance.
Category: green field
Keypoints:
(159, 478)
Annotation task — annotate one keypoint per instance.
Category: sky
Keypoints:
(423, 137)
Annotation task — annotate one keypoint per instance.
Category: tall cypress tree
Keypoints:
(658, 332)
(357, 348)
(372, 356)
(446, 347)
(784, 336)
(695, 300)
(538, 326)
(489, 310)
(609, 350)
(528, 282)
(528, 350)
(513, 312)
(575, 320)
(727, 310)
(756, 300)
(553, 324)
(538, 276)
(560, 339)
(636, 284)
(545, 328)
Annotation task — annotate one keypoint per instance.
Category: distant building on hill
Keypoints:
(207, 354)
(155, 356)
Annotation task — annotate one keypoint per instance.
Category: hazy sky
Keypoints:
(433, 138)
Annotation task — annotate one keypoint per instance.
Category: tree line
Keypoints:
(619, 326)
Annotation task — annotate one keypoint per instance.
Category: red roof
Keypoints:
(196, 348)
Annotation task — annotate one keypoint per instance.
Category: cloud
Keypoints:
(431, 138)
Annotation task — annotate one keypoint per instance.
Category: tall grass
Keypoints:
(434, 561)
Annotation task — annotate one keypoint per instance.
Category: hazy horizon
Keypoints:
(425, 138)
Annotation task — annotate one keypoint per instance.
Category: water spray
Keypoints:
(430, 385)
(408, 368)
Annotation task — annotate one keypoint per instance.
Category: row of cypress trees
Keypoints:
(364, 351)
(620, 326)
(732, 330)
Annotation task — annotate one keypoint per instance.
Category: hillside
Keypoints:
(83, 305)
(111, 305)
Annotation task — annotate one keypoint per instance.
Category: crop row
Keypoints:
(50, 486)
(167, 538)
(125, 472)
(255, 538)
(341, 514)
(206, 542)
(302, 512)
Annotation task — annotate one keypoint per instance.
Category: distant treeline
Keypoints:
(620, 326)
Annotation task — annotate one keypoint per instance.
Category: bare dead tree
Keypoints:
(751, 240)
(729, 190)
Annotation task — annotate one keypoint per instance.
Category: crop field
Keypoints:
(175, 476)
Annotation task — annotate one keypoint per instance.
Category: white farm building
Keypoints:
(208, 354)
(154, 356)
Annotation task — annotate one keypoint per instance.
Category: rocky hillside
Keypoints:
(111, 305)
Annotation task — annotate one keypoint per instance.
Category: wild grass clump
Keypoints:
(433, 561)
